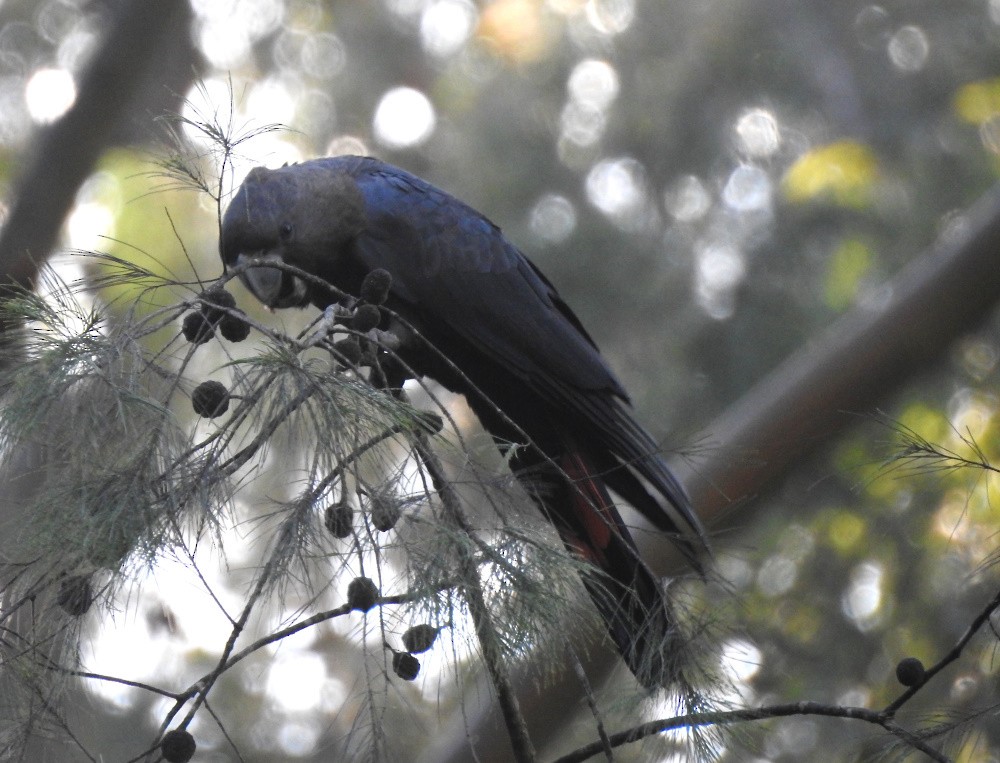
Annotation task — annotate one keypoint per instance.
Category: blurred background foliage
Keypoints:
(709, 185)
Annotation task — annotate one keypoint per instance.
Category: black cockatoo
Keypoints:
(513, 348)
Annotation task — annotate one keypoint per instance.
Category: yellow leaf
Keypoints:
(846, 531)
(978, 102)
(850, 263)
(842, 172)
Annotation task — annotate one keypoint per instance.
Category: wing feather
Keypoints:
(468, 276)
(452, 267)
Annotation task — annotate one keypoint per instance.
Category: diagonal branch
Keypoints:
(517, 728)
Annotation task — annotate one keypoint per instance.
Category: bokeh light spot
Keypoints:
(406, 8)
(610, 17)
(446, 25)
(296, 680)
(270, 102)
(223, 45)
(687, 199)
(553, 218)
(403, 118)
(777, 575)
(49, 93)
(513, 29)
(594, 83)
(720, 269)
(846, 531)
(616, 186)
(581, 123)
(748, 189)
(757, 133)
(76, 46)
(977, 357)
(964, 688)
(989, 134)
(297, 738)
(871, 26)
(908, 49)
(862, 600)
(88, 223)
(54, 20)
(741, 659)
(323, 55)
(226, 29)
(347, 145)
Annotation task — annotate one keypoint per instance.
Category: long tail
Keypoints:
(627, 595)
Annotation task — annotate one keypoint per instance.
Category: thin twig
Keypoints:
(486, 633)
(953, 654)
(124, 682)
(726, 718)
(883, 718)
(588, 692)
(319, 617)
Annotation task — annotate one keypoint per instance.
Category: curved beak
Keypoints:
(274, 287)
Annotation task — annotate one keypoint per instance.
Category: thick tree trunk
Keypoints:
(146, 45)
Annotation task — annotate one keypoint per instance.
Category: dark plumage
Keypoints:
(518, 348)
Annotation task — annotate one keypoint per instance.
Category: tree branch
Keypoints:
(134, 47)
(496, 663)
(727, 718)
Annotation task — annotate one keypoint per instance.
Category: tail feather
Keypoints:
(627, 595)
(663, 501)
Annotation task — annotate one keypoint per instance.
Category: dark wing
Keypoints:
(453, 267)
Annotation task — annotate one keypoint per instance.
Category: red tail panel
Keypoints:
(627, 595)
(591, 503)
